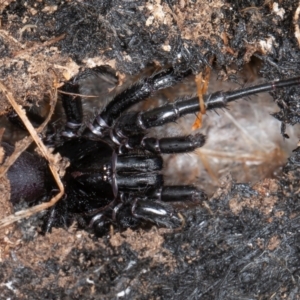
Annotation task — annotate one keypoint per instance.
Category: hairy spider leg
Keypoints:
(72, 107)
(136, 93)
(171, 112)
(130, 132)
(180, 144)
(72, 102)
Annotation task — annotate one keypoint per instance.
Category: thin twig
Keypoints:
(74, 94)
(21, 146)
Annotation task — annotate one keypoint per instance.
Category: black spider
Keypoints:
(114, 173)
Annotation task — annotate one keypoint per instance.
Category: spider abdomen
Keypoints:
(29, 177)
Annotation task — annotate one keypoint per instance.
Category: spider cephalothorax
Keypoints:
(114, 173)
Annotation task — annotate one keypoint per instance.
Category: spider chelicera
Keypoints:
(114, 176)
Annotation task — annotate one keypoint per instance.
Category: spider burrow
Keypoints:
(114, 176)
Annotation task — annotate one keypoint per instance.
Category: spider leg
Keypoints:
(134, 210)
(139, 209)
(135, 94)
(71, 98)
(156, 212)
(176, 193)
(179, 144)
(139, 122)
(153, 206)
(72, 107)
